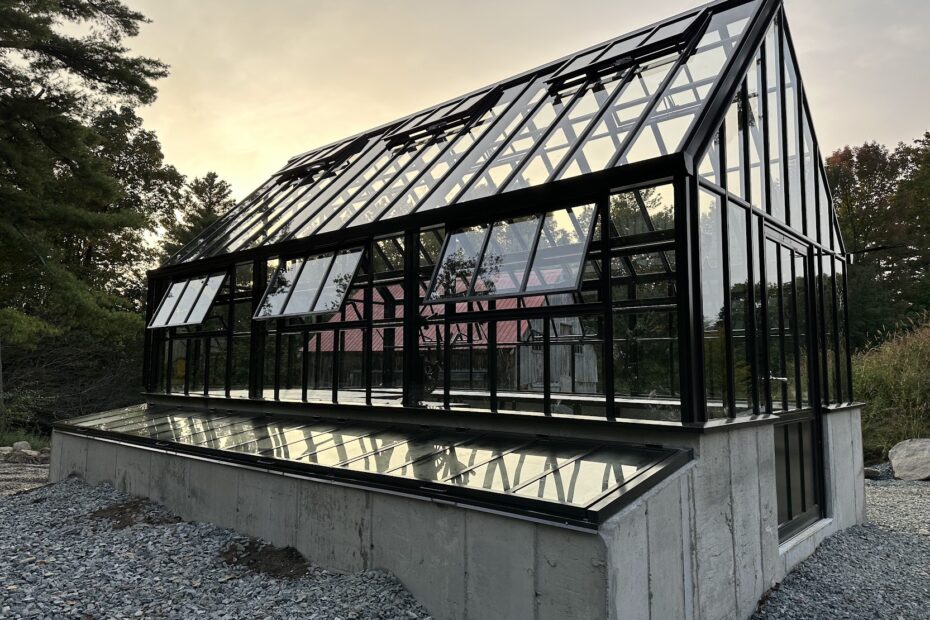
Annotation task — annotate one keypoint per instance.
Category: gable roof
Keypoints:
(633, 98)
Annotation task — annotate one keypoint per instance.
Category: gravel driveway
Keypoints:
(73, 551)
(15, 477)
(879, 570)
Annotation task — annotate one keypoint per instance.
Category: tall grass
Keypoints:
(893, 378)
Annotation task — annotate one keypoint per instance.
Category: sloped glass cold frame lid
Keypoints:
(187, 302)
(576, 483)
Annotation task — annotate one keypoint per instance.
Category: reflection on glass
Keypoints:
(453, 460)
(307, 286)
(273, 302)
(518, 467)
(394, 457)
(712, 294)
(167, 304)
(505, 259)
(455, 272)
(186, 302)
(210, 289)
(338, 281)
(582, 481)
(646, 358)
(561, 248)
(642, 210)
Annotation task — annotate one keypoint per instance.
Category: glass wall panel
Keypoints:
(793, 144)
(741, 311)
(712, 295)
(755, 125)
(320, 366)
(216, 379)
(773, 112)
(351, 366)
(810, 184)
(177, 367)
(520, 365)
(646, 372)
(291, 367)
(642, 211)
(469, 371)
(733, 129)
(387, 365)
(711, 168)
(576, 365)
(842, 333)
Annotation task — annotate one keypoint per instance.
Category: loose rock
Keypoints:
(872, 473)
(73, 551)
(911, 459)
(22, 445)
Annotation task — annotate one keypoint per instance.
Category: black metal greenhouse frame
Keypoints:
(680, 169)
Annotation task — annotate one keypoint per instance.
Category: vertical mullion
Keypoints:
(337, 352)
(547, 366)
(411, 322)
(305, 367)
(729, 399)
(368, 335)
(230, 330)
(783, 112)
(690, 321)
(257, 333)
(188, 342)
(447, 354)
(607, 301)
(279, 323)
(492, 358)
(766, 138)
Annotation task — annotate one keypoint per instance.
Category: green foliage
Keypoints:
(883, 205)
(892, 379)
(205, 200)
(8, 438)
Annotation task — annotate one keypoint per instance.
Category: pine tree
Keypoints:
(206, 200)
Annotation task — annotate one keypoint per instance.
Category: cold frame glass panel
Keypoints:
(560, 251)
(337, 283)
(279, 289)
(584, 480)
(308, 284)
(167, 304)
(457, 267)
(503, 265)
(518, 467)
(684, 98)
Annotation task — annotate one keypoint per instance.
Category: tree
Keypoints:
(206, 200)
(882, 199)
(59, 200)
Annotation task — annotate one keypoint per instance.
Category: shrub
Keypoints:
(893, 379)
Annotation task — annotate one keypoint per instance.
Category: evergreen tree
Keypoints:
(206, 200)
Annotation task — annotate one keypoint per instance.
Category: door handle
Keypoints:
(781, 379)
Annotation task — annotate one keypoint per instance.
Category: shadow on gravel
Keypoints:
(284, 562)
(127, 514)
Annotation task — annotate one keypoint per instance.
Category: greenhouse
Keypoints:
(611, 285)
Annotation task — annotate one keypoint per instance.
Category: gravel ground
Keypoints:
(879, 570)
(72, 551)
(15, 477)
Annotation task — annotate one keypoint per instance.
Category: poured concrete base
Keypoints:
(702, 544)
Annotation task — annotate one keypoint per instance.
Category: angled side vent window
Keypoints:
(187, 301)
(529, 255)
(305, 286)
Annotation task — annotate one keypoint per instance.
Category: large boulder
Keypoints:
(23, 456)
(911, 459)
(22, 445)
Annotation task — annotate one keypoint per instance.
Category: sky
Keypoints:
(254, 83)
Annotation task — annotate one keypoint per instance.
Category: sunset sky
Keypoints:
(253, 83)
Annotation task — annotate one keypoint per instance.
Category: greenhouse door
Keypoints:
(788, 318)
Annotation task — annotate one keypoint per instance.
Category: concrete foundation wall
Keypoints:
(460, 563)
(702, 544)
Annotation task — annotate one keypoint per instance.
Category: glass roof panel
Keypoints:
(680, 104)
(603, 144)
(545, 125)
(534, 129)
(547, 471)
